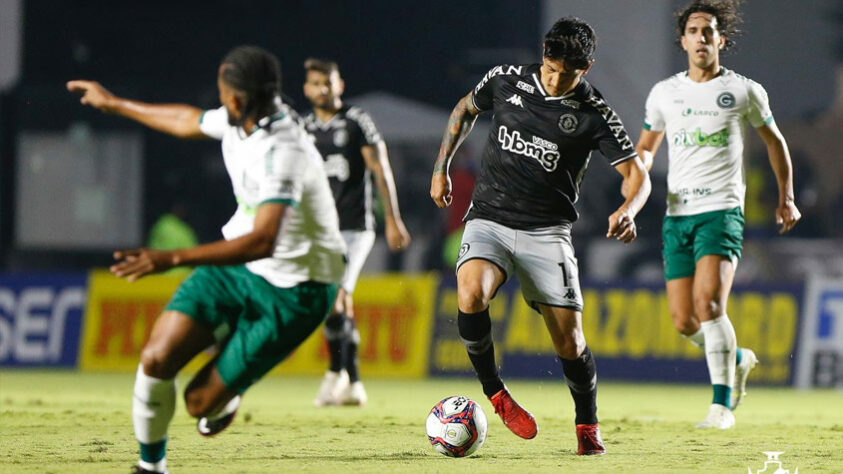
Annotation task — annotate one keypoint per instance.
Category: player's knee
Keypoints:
(685, 324)
(471, 297)
(706, 307)
(570, 345)
(337, 326)
(155, 363)
(571, 350)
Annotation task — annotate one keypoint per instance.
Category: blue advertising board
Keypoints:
(41, 318)
(821, 349)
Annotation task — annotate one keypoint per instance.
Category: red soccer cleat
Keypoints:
(517, 419)
(589, 442)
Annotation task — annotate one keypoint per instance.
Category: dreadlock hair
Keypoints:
(256, 74)
(325, 66)
(572, 41)
(725, 11)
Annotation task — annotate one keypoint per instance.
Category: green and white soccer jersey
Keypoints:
(704, 125)
(278, 163)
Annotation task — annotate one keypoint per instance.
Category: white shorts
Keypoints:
(359, 243)
(542, 260)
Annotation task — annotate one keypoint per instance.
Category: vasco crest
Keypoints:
(568, 123)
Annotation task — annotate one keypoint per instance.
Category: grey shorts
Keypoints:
(359, 244)
(541, 259)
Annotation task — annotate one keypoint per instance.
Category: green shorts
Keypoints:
(689, 238)
(265, 323)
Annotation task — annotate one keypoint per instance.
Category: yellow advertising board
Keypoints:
(394, 315)
(119, 317)
(630, 331)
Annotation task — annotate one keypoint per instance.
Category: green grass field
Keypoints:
(74, 422)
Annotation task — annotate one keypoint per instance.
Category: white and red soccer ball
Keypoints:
(456, 426)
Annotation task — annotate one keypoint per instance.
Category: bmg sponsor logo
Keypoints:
(541, 152)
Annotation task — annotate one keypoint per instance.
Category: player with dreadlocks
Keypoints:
(704, 111)
(265, 288)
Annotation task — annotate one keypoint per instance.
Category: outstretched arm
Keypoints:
(636, 185)
(459, 126)
(377, 161)
(787, 214)
(179, 120)
(257, 244)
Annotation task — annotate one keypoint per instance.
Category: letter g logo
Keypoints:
(726, 100)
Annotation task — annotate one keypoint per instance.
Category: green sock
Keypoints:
(722, 395)
(153, 452)
(738, 356)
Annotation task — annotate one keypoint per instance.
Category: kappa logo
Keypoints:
(570, 294)
(515, 100)
(513, 142)
(526, 87)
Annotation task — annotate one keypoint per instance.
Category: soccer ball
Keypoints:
(456, 426)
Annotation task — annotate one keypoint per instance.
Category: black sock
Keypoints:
(476, 333)
(336, 340)
(581, 376)
(352, 364)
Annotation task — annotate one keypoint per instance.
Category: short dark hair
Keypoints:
(256, 73)
(325, 66)
(726, 12)
(571, 40)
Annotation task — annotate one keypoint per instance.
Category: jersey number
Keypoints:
(336, 166)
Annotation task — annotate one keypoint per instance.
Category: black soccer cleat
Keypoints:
(207, 427)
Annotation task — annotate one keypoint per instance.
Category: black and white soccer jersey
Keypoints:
(339, 141)
(539, 147)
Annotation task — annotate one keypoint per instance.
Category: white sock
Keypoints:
(228, 409)
(720, 349)
(697, 338)
(153, 405)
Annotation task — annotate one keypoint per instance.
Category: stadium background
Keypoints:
(75, 184)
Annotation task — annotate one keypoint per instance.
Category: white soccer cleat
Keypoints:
(719, 417)
(748, 362)
(333, 384)
(354, 394)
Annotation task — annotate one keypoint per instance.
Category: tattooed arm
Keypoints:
(459, 126)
